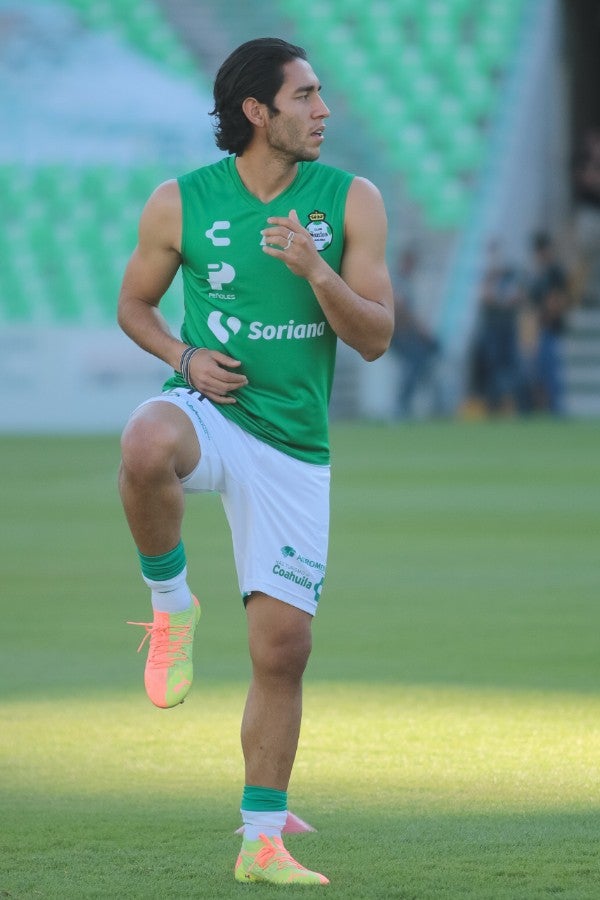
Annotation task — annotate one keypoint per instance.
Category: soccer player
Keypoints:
(280, 256)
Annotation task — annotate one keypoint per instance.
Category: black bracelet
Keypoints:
(184, 364)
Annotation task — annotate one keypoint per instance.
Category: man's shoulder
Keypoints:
(325, 181)
(357, 186)
(207, 171)
(323, 170)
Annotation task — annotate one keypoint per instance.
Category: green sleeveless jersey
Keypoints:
(241, 301)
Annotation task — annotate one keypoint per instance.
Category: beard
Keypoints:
(288, 142)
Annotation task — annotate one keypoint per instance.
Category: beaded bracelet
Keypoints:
(184, 364)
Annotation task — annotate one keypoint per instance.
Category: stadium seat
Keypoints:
(449, 110)
(341, 9)
(15, 303)
(439, 42)
(448, 204)
(423, 179)
(394, 115)
(424, 95)
(411, 146)
(408, 65)
(463, 148)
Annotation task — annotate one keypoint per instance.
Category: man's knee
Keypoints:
(147, 445)
(284, 660)
(280, 645)
(158, 441)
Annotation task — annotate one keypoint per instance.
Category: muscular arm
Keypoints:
(358, 303)
(149, 273)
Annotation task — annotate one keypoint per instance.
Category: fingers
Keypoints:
(285, 239)
(283, 236)
(283, 231)
(222, 399)
(278, 238)
(209, 374)
(225, 360)
(289, 221)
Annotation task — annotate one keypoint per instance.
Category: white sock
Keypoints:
(268, 823)
(171, 596)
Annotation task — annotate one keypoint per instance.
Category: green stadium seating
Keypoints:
(67, 231)
(17, 303)
(66, 242)
(424, 76)
(142, 24)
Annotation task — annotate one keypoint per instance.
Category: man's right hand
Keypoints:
(209, 373)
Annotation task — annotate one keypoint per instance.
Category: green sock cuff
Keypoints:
(262, 799)
(162, 568)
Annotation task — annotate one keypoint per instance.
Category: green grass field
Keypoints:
(451, 740)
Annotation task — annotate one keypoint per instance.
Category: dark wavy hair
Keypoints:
(255, 69)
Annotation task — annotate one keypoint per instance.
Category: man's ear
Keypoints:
(255, 112)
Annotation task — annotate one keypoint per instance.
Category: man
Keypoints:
(497, 342)
(549, 296)
(280, 256)
(411, 340)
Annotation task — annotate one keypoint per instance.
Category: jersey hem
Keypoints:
(312, 457)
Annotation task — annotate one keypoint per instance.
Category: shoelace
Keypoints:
(166, 642)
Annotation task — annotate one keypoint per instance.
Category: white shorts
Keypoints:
(277, 506)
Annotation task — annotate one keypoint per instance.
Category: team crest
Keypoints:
(320, 230)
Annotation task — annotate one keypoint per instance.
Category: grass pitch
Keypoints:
(451, 740)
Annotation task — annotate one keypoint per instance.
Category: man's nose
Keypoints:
(321, 108)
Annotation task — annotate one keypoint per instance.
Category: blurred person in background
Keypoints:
(497, 339)
(587, 218)
(412, 341)
(549, 297)
(280, 257)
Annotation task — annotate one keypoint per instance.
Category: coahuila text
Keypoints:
(302, 580)
(289, 331)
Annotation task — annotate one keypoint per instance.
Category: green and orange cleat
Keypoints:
(169, 668)
(266, 860)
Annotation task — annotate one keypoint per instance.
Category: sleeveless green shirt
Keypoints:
(241, 301)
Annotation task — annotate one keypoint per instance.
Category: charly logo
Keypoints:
(218, 226)
(288, 551)
(319, 229)
(223, 330)
(220, 274)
